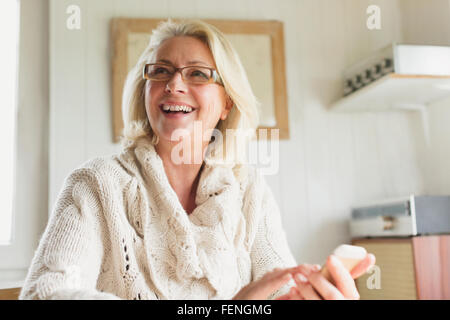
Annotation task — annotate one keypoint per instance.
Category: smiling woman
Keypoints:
(141, 225)
(207, 103)
(203, 45)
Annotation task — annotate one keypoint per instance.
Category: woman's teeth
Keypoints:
(185, 109)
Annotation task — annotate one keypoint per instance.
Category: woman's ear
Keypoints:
(228, 106)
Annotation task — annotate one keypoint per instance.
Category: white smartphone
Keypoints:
(349, 255)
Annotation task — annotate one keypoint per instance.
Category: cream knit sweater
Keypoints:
(118, 230)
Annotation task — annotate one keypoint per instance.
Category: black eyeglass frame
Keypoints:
(215, 77)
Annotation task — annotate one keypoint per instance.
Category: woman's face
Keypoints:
(209, 102)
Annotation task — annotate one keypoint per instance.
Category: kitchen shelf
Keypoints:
(396, 91)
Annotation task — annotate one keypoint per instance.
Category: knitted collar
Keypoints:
(198, 246)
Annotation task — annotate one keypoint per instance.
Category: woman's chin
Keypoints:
(177, 135)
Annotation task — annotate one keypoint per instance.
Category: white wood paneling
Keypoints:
(68, 76)
(182, 9)
(292, 174)
(215, 9)
(98, 98)
(426, 22)
(150, 9)
(429, 23)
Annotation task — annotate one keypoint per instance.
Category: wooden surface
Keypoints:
(432, 263)
(394, 257)
(411, 268)
(10, 294)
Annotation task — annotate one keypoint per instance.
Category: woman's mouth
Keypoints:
(176, 110)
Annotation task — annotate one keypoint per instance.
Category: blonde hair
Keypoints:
(243, 116)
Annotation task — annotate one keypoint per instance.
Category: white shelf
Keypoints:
(395, 92)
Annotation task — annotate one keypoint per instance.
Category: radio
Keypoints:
(409, 216)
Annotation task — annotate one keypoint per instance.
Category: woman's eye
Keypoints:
(198, 73)
(160, 70)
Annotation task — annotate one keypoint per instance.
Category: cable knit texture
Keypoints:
(118, 231)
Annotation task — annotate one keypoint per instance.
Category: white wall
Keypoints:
(31, 185)
(331, 162)
(429, 23)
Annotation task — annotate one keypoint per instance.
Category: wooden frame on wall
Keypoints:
(260, 45)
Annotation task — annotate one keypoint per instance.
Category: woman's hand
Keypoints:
(268, 284)
(312, 285)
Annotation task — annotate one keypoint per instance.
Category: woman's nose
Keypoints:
(176, 84)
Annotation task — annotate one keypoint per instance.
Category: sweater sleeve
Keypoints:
(270, 248)
(67, 261)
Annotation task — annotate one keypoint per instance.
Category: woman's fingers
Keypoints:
(312, 285)
(306, 269)
(277, 273)
(342, 278)
(305, 289)
(293, 294)
(363, 266)
(324, 287)
(262, 288)
(273, 281)
(286, 296)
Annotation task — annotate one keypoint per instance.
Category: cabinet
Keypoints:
(407, 268)
(395, 78)
(396, 92)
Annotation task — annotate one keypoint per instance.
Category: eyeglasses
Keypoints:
(189, 74)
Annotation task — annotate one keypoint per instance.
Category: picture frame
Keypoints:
(259, 43)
